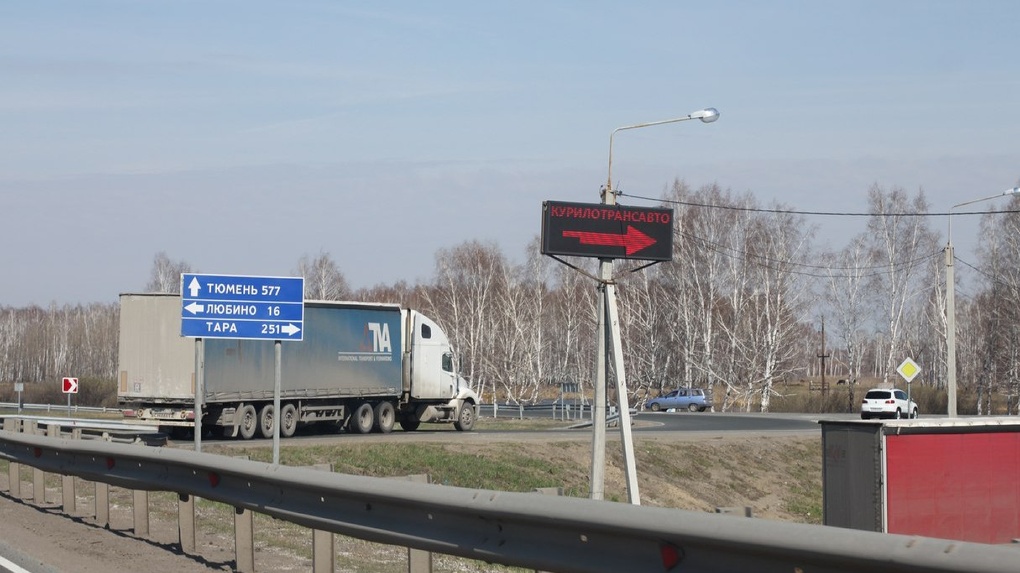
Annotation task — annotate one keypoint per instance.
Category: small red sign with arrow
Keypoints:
(607, 231)
(70, 385)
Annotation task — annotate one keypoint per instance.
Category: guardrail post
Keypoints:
(13, 468)
(103, 505)
(186, 522)
(244, 541)
(419, 560)
(39, 476)
(67, 494)
(323, 542)
(141, 512)
(14, 477)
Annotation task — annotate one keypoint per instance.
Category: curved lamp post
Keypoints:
(609, 334)
(951, 302)
(707, 115)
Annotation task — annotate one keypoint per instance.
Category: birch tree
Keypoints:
(166, 274)
(323, 278)
(847, 297)
(899, 240)
(461, 299)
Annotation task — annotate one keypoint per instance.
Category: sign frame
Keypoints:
(249, 307)
(607, 231)
(908, 369)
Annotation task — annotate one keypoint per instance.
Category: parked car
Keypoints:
(693, 399)
(887, 403)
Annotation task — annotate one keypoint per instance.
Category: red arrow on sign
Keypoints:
(633, 241)
(70, 385)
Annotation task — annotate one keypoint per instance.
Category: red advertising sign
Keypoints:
(70, 385)
(607, 231)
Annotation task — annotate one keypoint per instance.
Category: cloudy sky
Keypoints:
(240, 135)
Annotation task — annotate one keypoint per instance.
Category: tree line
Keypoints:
(738, 311)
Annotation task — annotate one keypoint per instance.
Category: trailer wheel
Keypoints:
(266, 421)
(249, 422)
(385, 416)
(466, 417)
(363, 419)
(288, 420)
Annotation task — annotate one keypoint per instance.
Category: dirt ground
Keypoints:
(777, 476)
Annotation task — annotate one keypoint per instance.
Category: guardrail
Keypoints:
(92, 429)
(558, 534)
(60, 408)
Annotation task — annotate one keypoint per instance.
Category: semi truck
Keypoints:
(362, 367)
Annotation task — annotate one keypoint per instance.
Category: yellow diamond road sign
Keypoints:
(908, 369)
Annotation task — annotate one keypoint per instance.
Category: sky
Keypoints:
(241, 135)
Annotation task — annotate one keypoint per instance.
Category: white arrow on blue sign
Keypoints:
(252, 307)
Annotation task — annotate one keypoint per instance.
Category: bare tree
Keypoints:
(323, 279)
(847, 296)
(462, 300)
(902, 243)
(166, 274)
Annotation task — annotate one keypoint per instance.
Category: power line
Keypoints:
(813, 213)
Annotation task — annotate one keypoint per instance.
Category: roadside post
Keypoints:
(69, 386)
(909, 370)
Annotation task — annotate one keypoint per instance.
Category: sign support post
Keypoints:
(199, 390)
(277, 414)
(609, 336)
(69, 386)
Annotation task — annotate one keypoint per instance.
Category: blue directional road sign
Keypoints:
(227, 306)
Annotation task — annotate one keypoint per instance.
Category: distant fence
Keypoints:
(548, 533)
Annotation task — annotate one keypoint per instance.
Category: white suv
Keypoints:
(889, 403)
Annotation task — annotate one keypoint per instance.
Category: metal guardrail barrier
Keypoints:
(88, 429)
(60, 408)
(558, 534)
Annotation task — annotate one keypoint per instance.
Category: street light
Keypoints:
(951, 302)
(707, 115)
(609, 333)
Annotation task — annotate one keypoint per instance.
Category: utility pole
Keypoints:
(823, 356)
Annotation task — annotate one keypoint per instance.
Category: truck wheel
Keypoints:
(266, 421)
(466, 418)
(409, 424)
(288, 420)
(248, 422)
(385, 416)
(363, 419)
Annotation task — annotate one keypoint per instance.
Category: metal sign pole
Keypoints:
(598, 441)
(199, 390)
(621, 393)
(276, 403)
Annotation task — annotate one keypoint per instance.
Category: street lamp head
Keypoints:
(707, 115)
(1013, 191)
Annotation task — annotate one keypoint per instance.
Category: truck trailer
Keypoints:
(362, 367)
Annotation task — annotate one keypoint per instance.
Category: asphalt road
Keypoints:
(718, 422)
